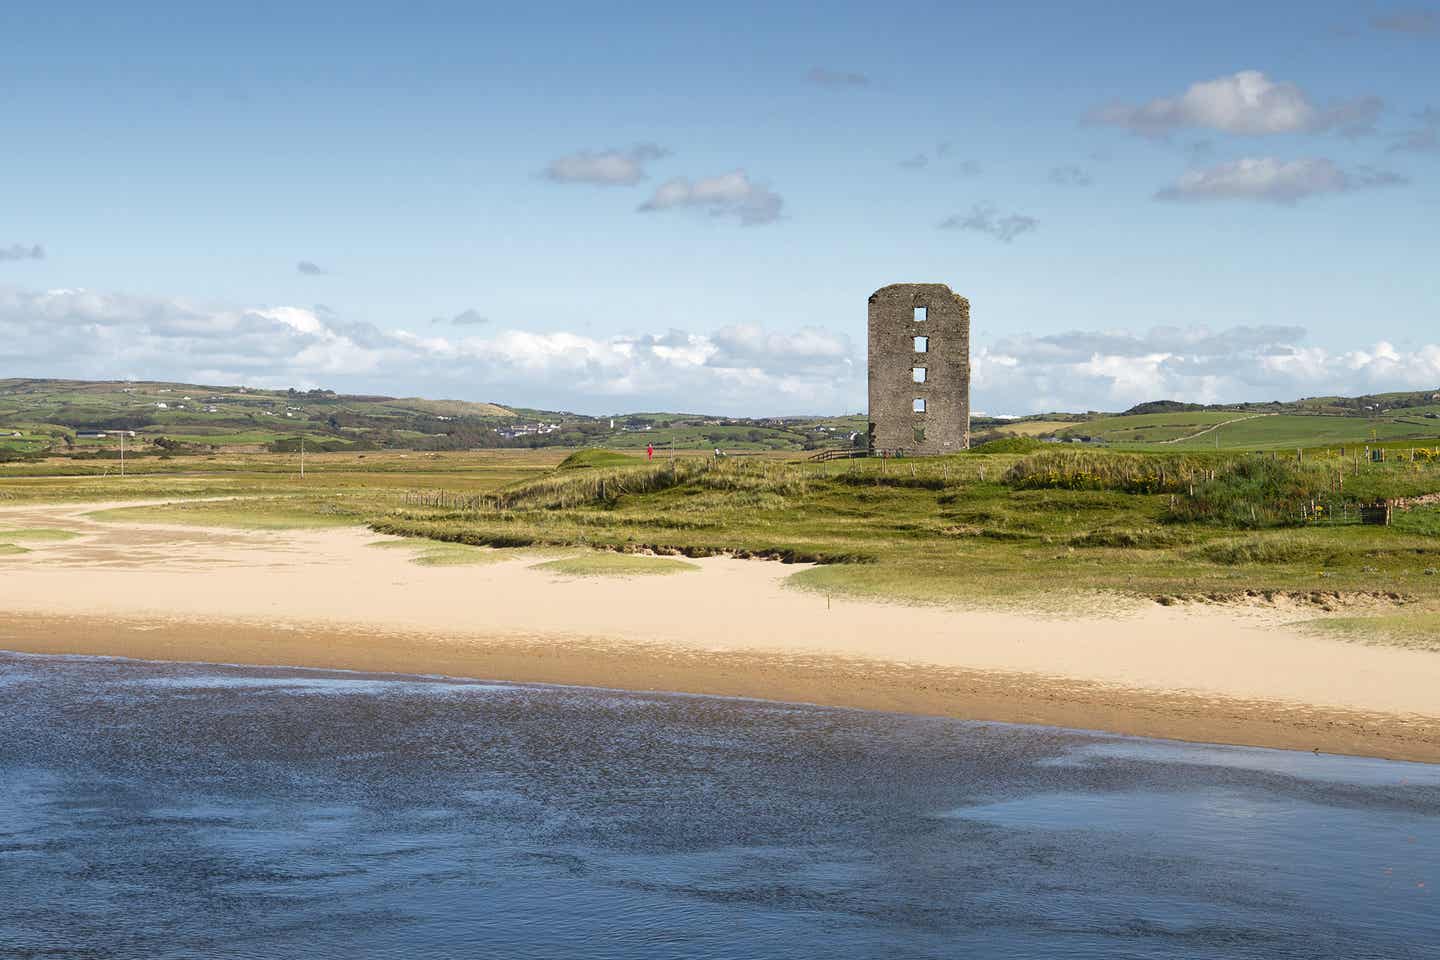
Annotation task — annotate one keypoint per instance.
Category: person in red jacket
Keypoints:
(649, 451)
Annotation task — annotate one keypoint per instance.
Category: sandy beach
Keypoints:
(325, 598)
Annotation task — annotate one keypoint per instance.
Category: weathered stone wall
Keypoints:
(895, 425)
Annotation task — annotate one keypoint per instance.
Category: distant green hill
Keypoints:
(63, 417)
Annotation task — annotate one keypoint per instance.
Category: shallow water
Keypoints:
(178, 811)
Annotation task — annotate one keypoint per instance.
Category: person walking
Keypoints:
(649, 452)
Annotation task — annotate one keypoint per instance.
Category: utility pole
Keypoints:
(302, 456)
(122, 453)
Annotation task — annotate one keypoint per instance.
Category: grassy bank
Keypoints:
(1035, 527)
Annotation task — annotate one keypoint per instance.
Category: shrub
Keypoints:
(1104, 470)
(1257, 492)
(586, 459)
(1009, 445)
(1265, 549)
(1148, 538)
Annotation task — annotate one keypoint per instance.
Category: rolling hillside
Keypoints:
(66, 418)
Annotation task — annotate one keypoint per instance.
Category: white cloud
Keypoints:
(1247, 102)
(310, 269)
(1117, 369)
(731, 194)
(738, 368)
(21, 251)
(606, 168)
(1274, 180)
(985, 219)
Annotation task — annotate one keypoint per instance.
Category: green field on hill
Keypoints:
(1207, 430)
(55, 418)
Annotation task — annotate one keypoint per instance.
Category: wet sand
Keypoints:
(325, 599)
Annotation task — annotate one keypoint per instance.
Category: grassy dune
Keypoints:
(615, 565)
(46, 534)
(1060, 527)
(270, 513)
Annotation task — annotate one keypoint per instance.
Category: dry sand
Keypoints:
(325, 599)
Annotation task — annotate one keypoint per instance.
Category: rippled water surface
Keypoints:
(174, 811)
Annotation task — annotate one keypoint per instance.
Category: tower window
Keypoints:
(920, 313)
(922, 344)
(917, 374)
(919, 404)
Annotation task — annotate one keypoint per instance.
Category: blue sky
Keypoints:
(638, 207)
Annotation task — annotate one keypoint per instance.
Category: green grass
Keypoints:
(1146, 427)
(615, 565)
(248, 514)
(966, 528)
(581, 459)
(434, 553)
(459, 555)
(1416, 629)
(1241, 430)
(1290, 432)
(977, 528)
(38, 533)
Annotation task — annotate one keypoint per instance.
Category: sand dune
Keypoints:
(324, 598)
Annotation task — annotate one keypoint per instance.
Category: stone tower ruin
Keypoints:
(919, 370)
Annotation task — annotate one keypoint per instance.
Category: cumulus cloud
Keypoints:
(1273, 180)
(1114, 370)
(731, 194)
(1422, 139)
(20, 251)
(1247, 102)
(606, 168)
(985, 219)
(310, 269)
(738, 368)
(1070, 176)
(1408, 21)
(837, 78)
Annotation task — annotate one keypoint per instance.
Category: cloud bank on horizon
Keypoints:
(739, 369)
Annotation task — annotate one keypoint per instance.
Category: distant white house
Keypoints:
(161, 405)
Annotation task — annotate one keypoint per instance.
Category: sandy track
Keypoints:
(323, 598)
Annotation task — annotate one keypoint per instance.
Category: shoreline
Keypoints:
(325, 598)
(822, 680)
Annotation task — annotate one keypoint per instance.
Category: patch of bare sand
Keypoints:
(321, 598)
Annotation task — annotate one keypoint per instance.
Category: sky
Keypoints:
(659, 206)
